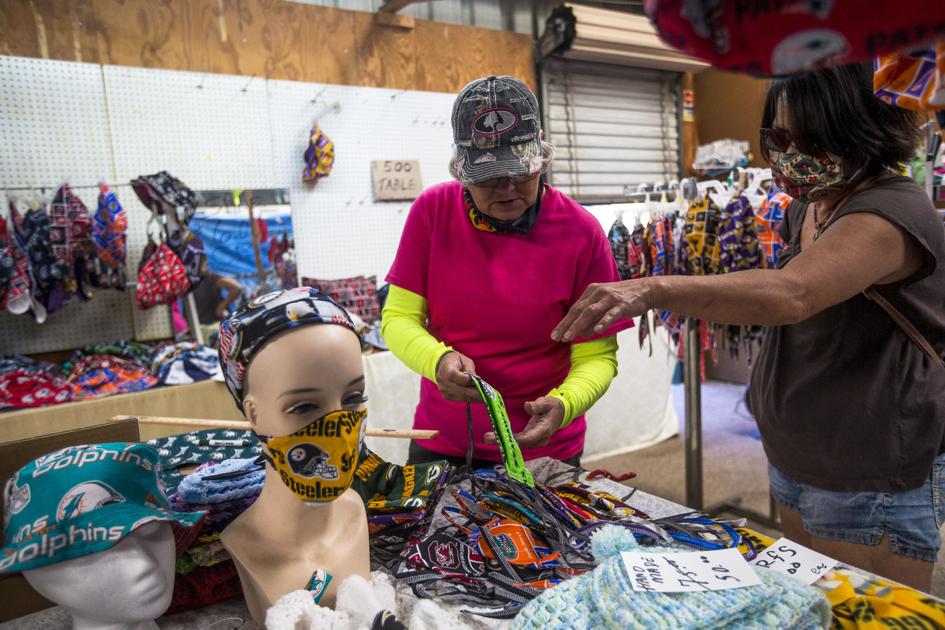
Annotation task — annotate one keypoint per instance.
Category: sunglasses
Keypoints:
(776, 139)
(497, 182)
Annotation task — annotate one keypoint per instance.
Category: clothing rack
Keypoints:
(692, 431)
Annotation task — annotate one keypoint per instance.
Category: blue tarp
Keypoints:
(229, 241)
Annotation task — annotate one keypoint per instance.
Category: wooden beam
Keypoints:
(396, 20)
(393, 6)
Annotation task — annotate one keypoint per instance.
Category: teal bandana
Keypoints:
(81, 500)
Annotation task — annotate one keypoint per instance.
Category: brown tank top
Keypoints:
(845, 400)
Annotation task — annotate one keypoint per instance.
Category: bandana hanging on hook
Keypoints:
(319, 156)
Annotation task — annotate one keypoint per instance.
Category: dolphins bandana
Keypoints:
(81, 500)
(248, 330)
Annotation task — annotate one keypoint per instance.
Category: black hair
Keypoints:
(834, 110)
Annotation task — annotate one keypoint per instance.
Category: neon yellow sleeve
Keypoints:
(593, 367)
(403, 327)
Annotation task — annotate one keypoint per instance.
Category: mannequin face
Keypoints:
(128, 584)
(301, 375)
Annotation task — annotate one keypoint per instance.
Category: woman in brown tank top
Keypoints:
(851, 410)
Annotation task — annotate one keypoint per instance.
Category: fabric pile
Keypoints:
(101, 375)
(400, 501)
(500, 544)
(184, 363)
(205, 572)
(25, 383)
(104, 369)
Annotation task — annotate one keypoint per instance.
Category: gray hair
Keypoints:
(547, 157)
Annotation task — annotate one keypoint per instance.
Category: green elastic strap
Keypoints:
(511, 453)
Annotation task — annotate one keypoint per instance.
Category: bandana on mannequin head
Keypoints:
(318, 461)
(248, 330)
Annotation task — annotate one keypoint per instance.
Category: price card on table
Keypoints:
(688, 571)
(803, 564)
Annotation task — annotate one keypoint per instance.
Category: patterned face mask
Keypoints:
(318, 461)
(807, 177)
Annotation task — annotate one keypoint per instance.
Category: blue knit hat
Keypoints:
(604, 598)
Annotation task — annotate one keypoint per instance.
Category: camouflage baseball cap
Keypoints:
(496, 130)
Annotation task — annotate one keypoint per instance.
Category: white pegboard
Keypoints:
(53, 123)
(339, 230)
(210, 130)
(85, 123)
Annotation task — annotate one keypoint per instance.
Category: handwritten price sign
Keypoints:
(688, 571)
(801, 563)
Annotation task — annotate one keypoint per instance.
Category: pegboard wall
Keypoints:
(339, 230)
(84, 123)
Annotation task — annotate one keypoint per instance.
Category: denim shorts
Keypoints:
(912, 518)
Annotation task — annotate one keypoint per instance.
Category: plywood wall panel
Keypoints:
(387, 56)
(264, 38)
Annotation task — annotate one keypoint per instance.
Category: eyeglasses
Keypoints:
(498, 182)
(776, 139)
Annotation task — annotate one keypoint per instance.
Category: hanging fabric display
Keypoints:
(162, 277)
(780, 38)
(319, 156)
(163, 193)
(71, 236)
(108, 230)
(913, 80)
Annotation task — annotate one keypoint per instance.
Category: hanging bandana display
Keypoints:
(108, 230)
(319, 156)
(163, 193)
(48, 274)
(619, 237)
(913, 80)
(317, 462)
(71, 236)
(701, 232)
(14, 267)
(768, 221)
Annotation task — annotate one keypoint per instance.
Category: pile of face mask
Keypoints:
(504, 543)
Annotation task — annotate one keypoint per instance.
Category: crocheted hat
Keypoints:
(604, 598)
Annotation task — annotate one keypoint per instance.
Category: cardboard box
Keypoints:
(17, 597)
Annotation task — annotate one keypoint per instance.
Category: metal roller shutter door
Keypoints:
(614, 128)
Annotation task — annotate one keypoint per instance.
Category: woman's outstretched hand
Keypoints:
(599, 307)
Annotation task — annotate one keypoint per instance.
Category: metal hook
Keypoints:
(319, 95)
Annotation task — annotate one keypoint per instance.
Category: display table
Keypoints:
(232, 614)
(635, 412)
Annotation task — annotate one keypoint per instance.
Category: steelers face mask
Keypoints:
(318, 461)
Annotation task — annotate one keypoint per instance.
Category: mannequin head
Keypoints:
(91, 528)
(293, 364)
(124, 586)
(303, 374)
